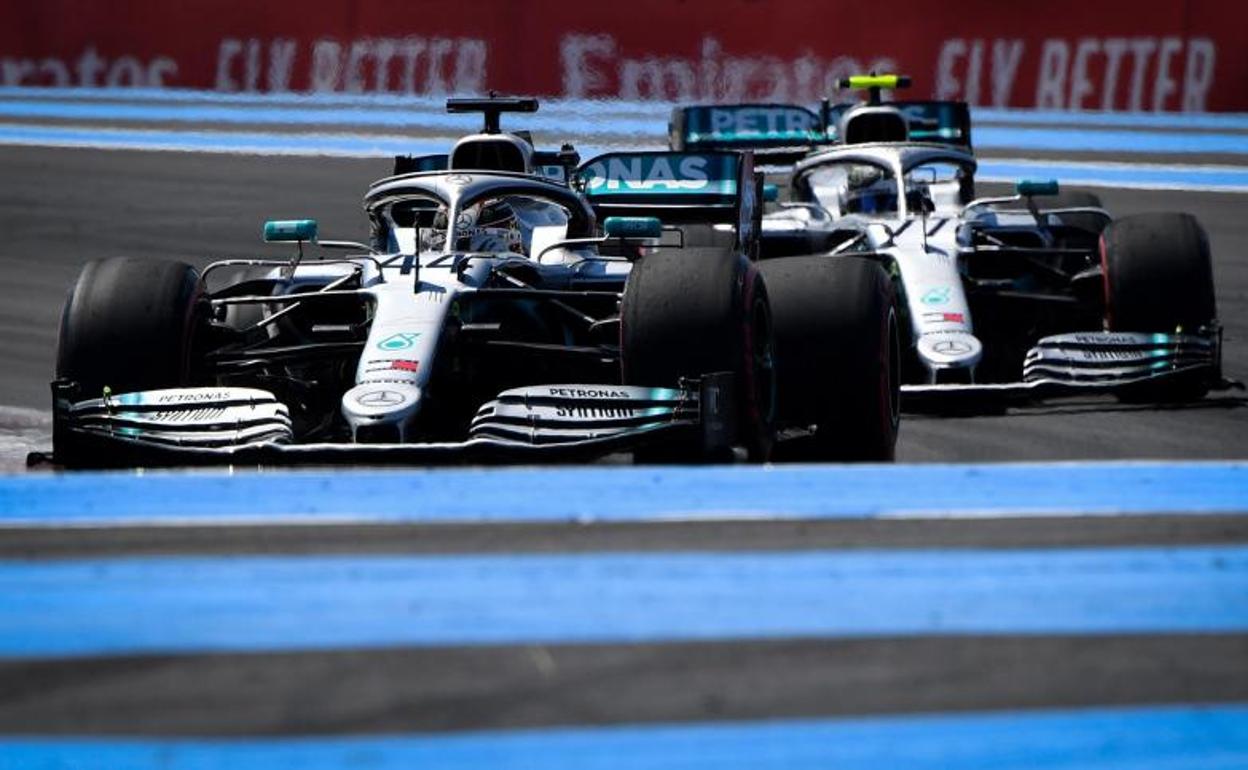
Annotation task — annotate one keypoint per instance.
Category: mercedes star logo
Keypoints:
(951, 347)
(381, 398)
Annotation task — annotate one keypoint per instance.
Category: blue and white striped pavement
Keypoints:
(378, 126)
(1196, 737)
(627, 494)
(272, 603)
(188, 603)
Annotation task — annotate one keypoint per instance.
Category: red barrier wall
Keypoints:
(1183, 55)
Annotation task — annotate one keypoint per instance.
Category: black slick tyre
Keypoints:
(837, 357)
(1158, 274)
(1158, 277)
(127, 325)
(694, 311)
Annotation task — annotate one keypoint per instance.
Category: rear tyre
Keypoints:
(127, 325)
(838, 356)
(1158, 277)
(690, 312)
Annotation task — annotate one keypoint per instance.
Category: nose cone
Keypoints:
(373, 404)
(949, 350)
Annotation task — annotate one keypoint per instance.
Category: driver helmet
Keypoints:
(489, 226)
(869, 190)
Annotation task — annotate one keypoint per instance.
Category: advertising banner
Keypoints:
(1122, 55)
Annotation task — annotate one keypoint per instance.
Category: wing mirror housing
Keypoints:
(632, 227)
(1029, 187)
(290, 230)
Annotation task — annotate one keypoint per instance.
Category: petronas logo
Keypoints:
(400, 341)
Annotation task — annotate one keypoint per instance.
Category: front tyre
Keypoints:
(127, 325)
(695, 311)
(1158, 277)
(1158, 274)
(838, 355)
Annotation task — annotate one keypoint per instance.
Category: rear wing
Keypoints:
(777, 133)
(409, 164)
(551, 165)
(677, 188)
(781, 134)
(937, 122)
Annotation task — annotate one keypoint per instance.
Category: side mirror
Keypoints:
(771, 192)
(1030, 187)
(286, 230)
(632, 227)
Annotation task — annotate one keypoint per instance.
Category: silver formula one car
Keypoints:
(1004, 298)
(497, 314)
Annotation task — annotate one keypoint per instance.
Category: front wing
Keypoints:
(1117, 363)
(205, 426)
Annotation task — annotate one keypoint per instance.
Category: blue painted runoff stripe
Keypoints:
(1115, 141)
(1140, 175)
(603, 493)
(1171, 737)
(85, 607)
(566, 124)
(591, 123)
(649, 108)
(1226, 121)
(353, 145)
(1149, 176)
(248, 142)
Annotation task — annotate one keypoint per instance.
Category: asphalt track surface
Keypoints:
(62, 207)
